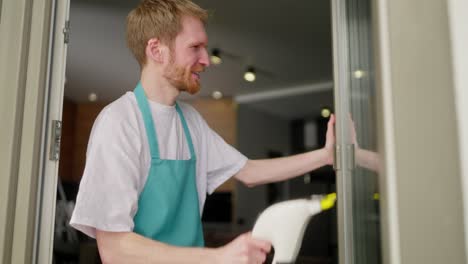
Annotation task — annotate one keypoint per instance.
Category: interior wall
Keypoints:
(421, 182)
(258, 133)
(220, 115)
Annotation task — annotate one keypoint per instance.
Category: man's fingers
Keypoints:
(330, 139)
(259, 257)
(256, 248)
(257, 254)
(261, 244)
(331, 122)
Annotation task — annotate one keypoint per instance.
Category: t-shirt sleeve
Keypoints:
(223, 160)
(108, 194)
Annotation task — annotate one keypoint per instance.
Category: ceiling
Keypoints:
(288, 40)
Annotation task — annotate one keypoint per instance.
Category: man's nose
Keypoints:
(205, 58)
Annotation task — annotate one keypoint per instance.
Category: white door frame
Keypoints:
(54, 104)
(458, 15)
(25, 49)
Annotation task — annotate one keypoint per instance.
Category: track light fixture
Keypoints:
(215, 56)
(249, 75)
(218, 56)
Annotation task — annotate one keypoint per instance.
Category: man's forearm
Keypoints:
(368, 159)
(257, 172)
(129, 247)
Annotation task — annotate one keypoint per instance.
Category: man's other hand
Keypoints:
(244, 250)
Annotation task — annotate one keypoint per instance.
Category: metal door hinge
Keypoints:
(349, 162)
(54, 153)
(66, 32)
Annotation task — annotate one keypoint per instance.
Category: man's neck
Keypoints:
(158, 89)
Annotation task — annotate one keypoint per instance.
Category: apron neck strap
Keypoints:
(148, 120)
(186, 131)
(150, 127)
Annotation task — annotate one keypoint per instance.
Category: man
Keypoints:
(151, 160)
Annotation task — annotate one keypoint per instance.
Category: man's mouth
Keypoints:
(196, 75)
(196, 71)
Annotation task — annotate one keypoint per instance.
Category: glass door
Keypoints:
(356, 159)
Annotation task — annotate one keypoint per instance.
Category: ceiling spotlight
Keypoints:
(325, 112)
(217, 95)
(359, 74)
(215, 57)
(249, 75)
(92, 97)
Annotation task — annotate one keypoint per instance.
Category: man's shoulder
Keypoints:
(121, 112)
(122, 104)
(117, 122)
(122, 108)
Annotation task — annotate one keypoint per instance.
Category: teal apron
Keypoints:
(168, 209)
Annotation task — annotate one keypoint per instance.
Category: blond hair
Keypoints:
(159, 19)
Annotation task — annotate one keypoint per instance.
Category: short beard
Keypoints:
(181, 78)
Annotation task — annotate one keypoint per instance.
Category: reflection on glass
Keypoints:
(363, 131)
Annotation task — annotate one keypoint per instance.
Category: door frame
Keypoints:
(48, 182)
(25, 49)
(458, 15)
(344, 172)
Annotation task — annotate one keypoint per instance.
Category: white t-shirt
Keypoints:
(118, 161)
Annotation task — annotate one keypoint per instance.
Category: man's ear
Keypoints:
(155, 50)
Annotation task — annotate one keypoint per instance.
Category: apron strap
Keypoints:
(148, 120)
(150, 127)
(186, 131)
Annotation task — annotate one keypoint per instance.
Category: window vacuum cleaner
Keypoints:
(283, 224)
